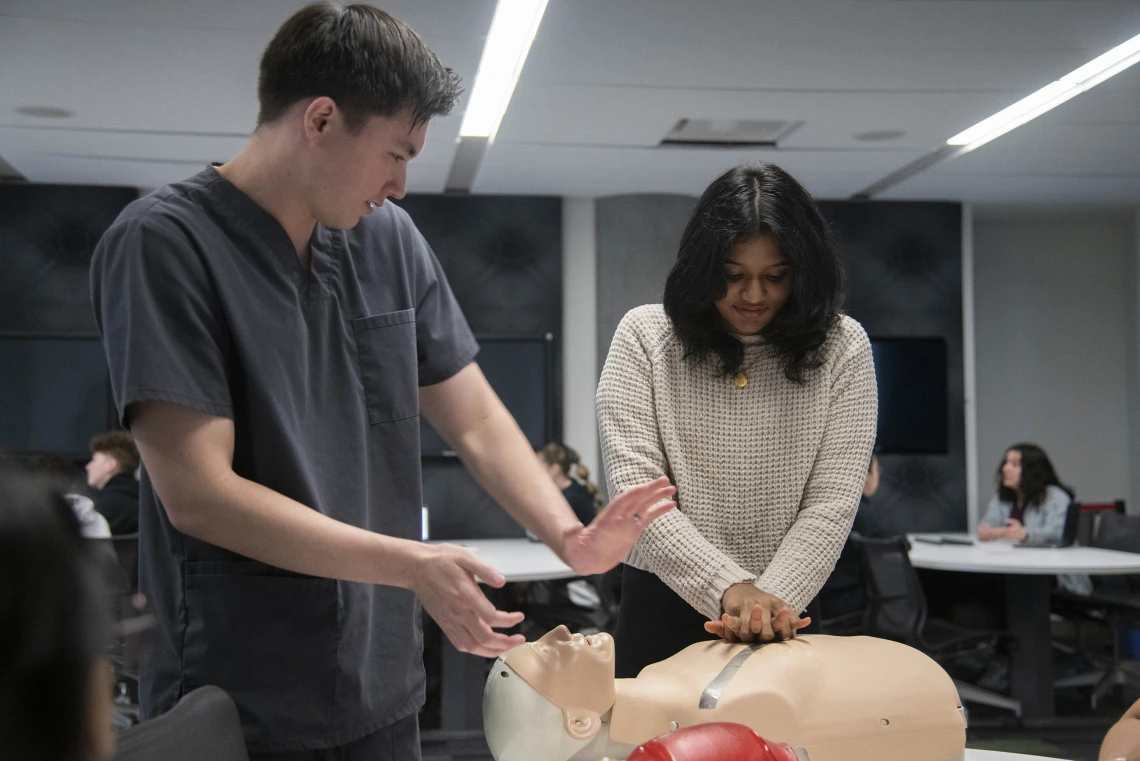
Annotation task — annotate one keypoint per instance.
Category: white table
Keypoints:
(1027, 573)
(461, 675)
(519, 559)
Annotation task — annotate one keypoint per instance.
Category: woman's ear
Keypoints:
(581, 724)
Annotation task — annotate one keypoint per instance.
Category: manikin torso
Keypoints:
(833, 698)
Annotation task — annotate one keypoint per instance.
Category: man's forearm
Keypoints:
(501, 459)
(253, 520)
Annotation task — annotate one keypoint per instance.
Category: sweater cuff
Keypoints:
(725, 577)
(773, 586)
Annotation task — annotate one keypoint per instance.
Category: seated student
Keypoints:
(55, 678)
(577, 488)
(1122, 743)
(111, 474)
(844, 591)
(1030, 501)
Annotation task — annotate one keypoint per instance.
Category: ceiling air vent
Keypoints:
(729, 133)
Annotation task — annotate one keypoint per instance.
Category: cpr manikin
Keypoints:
(830, 698)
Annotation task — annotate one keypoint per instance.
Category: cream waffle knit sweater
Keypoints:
(768, 476)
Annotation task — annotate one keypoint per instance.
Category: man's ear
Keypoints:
(317, 116)
(580, 723)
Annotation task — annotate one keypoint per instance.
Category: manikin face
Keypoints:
(1011, 470)
(759, 281)
(564, 653)
(549, 694)
(100, 469)
(352, 171)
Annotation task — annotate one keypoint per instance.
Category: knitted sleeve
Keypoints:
(633, 453)
(809, 550)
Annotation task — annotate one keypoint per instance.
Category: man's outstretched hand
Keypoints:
(608, 539)
(446, 580)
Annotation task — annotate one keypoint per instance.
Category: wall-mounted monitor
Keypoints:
(913, 412)
(55, 393)
(521, 371)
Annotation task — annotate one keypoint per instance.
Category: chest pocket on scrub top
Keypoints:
(386, 351)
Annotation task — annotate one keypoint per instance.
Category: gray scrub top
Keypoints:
(202, 301)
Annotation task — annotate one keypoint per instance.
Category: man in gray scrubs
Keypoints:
(273, 331)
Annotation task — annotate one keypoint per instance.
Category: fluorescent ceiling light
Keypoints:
(1051, 95)
(512, 31)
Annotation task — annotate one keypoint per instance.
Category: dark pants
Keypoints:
(654, 623)
(396, 742)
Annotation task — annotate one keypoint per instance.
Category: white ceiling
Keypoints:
(160, 87)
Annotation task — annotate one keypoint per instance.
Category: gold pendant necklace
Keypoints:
(741, 380)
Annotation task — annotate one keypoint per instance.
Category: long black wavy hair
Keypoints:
(744, 203)
(1037, 475)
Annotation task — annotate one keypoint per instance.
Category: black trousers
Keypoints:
(654, 623)
(395, 742)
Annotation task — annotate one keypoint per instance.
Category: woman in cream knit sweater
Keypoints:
(756, 396)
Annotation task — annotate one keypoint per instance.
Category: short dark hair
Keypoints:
(121, 446)
(1037, 475)
(744, 203)
(368, 62)
(54, 627)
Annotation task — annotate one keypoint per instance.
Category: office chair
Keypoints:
(897, 610)
(203, 726)
(1114, 603)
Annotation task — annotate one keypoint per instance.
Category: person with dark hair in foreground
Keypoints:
(55, 676)
(751, 390)
(273, 330)
(111, 476)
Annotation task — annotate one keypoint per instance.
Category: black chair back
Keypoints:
(1072, 523)
(203, 726)
(1088, 513)
(896, 605)
(1117, 532)
(1114, 531)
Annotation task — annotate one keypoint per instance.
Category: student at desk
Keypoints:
(1030, 502)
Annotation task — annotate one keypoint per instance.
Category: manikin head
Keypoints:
(563, 684)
